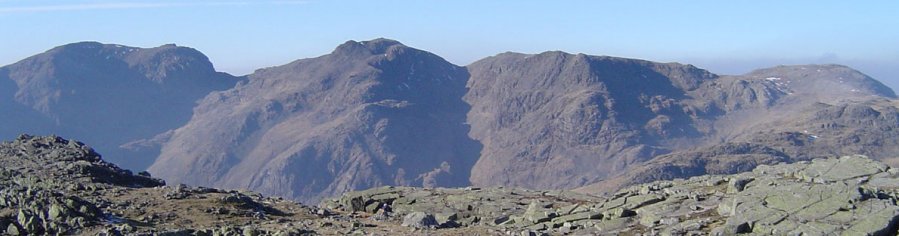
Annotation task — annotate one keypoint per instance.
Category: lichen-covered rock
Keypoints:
(851, 195)
(447, 219)
(420, 220)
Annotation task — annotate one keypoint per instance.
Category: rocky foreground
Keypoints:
(851, 195)
(49, 185)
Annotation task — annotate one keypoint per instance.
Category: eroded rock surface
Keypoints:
(851, 195)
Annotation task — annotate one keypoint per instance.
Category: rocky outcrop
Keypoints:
(851, 195)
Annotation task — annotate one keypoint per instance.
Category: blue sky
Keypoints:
(726, 37)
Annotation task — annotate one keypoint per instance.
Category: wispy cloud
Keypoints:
(112, 5)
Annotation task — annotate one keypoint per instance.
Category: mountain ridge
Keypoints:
(378, 112)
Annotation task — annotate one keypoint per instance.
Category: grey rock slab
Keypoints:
(612, 225)
(447, 219)
(419, 220)
(535, 213)
(844, 168)
(737, 184)
(576, 217)
(638, 201)
(879, 217)
(618, 213)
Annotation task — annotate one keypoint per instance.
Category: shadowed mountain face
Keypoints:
(557, 120)
(812, 111)
(16, 116)
(108, 95)
(368, 114)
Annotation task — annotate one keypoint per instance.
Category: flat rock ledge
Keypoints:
(850, 195)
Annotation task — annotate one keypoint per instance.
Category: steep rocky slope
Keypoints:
(557, 120)
(819, 111)
(369, 114)
(109, 95)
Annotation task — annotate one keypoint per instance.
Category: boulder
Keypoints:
(13, 229)
(420, 220)
(737, 184)
(447, 219)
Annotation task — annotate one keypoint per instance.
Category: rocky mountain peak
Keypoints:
(823, 80)
(381, 45)
(571, 110)
(372, 47)
(163, 64)
(169, 62)
(84, 46)
(397, 109)
(601, 69)
(132, 93)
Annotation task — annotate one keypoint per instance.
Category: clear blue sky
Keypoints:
(726, 37)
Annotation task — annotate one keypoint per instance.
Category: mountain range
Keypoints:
(378, 112)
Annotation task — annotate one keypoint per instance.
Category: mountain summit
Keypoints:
(559, 120)
(370, 113)
(106, 94)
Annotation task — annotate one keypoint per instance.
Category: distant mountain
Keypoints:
(379, 113)
(818, 111)
(369, 114)
(108, 95)
(558, 120)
